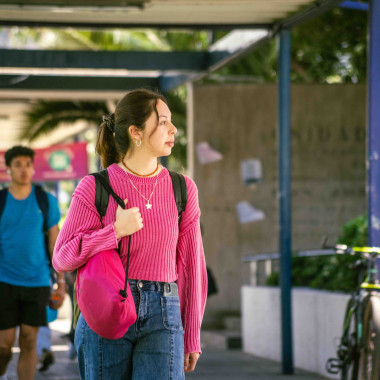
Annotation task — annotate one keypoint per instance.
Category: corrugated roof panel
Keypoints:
(159, 12)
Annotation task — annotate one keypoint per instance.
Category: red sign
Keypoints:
(58, 162)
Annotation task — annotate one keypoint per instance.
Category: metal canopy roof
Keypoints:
(28, 74)
(152, 13)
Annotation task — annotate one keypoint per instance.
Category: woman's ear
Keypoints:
(134, 132)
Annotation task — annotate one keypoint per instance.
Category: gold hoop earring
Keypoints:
(138, 144)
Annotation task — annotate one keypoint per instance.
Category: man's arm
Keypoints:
(61, 290)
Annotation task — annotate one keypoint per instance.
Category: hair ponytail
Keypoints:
(105, 143)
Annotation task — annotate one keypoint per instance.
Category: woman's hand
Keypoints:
(191, 361)
(127, 221)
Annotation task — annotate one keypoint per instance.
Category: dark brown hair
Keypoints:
(18, 151)
(134, 108)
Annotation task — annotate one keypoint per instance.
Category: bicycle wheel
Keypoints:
(370, 351)
(348, 350)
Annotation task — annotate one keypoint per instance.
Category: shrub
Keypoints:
(329, 272)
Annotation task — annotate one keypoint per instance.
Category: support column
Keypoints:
(373, 127)
(190, 130)
(284, 166)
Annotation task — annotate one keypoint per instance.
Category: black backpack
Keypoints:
(43, 205)
(102, 181)
(103, 190)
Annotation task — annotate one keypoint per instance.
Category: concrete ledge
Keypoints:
(222, 339)
(317, 325)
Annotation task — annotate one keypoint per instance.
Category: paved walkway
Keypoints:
(214, 364)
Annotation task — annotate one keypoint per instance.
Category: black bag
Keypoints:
(211, 283)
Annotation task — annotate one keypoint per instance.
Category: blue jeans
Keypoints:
(152, 348)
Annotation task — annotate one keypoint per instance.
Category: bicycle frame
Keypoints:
(352, 342)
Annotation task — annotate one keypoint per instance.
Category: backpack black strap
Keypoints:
(3, 199)
(101, 194)
(43, 204)
(180, 192)
(103, 190)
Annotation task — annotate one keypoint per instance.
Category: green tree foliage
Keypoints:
(330, 48)
(45, 116)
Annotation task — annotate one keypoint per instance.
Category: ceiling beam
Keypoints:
(80, 83)
(130, 25)
(76, 3)
(127, 60)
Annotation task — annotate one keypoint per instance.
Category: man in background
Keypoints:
(24, 263)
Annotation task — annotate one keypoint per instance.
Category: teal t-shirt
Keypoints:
(23, 260)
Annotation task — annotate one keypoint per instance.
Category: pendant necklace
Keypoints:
(148, 205)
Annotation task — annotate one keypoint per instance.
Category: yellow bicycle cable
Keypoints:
(367, 249)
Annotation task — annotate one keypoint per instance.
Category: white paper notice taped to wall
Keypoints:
(251, 171)
(206, 154)
(247, 213)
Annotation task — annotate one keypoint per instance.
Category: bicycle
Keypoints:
(358, 354)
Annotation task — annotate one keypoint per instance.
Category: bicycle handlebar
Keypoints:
(343, 248)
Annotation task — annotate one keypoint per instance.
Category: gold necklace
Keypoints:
(140, 175)
(148, 205)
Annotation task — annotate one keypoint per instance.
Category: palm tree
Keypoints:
(45, 116)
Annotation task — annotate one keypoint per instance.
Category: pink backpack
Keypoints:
(102, 290)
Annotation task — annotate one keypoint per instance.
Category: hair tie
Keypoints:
(110, 122)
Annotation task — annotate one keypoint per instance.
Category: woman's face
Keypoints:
(159, 140)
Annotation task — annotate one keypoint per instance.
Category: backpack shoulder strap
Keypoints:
(3, 199)
(43, 204)
(180, 192)
(103, 190)
(101, 194)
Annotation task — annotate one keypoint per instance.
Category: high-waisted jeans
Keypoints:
(152, 348)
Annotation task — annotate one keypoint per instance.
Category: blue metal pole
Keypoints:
(354, 5)
(285, 199)
(374, 124)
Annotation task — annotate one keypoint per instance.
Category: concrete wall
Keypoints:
(317, 325)
(328, 170)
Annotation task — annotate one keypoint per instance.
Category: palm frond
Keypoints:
(44, 117)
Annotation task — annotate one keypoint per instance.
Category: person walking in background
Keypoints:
(24, 264)
(44, 352)
(160, 344)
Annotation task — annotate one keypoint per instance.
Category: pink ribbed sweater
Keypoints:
(159, 251)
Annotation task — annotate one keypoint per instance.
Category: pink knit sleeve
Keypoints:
(192, 274)
(82, 235)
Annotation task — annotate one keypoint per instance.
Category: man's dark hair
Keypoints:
(18, 151)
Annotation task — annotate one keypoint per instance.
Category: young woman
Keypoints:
(161, 344)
